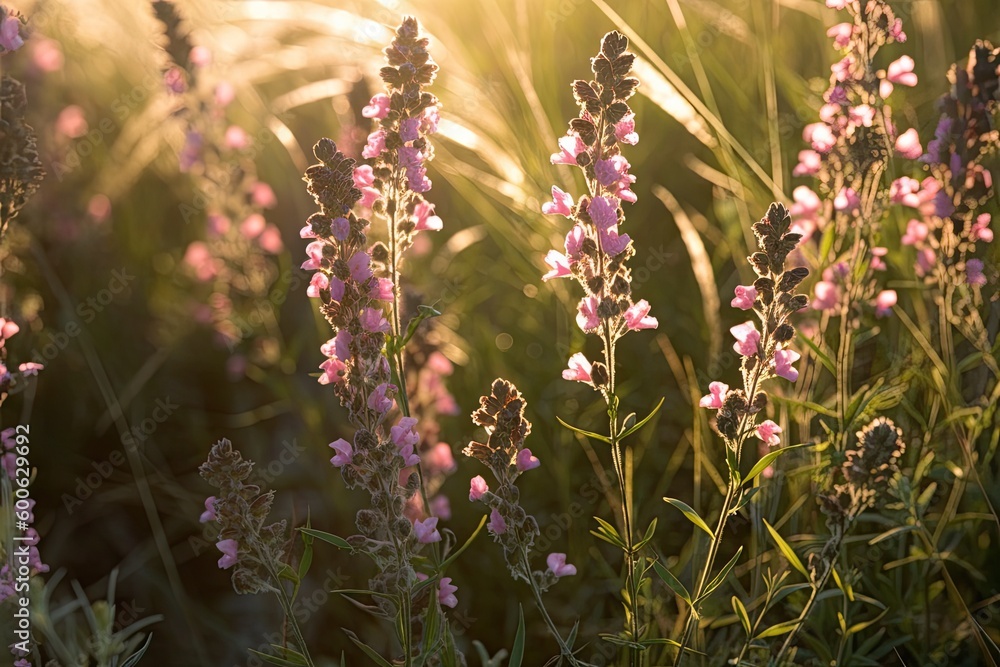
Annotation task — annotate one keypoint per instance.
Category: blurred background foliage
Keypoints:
(727, 86)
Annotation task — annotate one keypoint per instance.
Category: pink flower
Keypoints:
(612, 242)
(837, 4)
(441, 507)
(378, 107)
(342, 343)
(409, 129)
(841, 33)
(603, 212)
(345, 452)
(229, 549)
(381, 399)
(981, 229)
(905, 191)
(430, 119)
(423, 218)
(579, 369)
(768, 432)
(270, 240)
(446, 593)
(809, 163)
(613, 174)
(842, 69)
(715, 397)
(440, 459)
(209, 513)
(336, 287)
(427, 531)
(305, 233)
(901, 72)
(404, 435)
(236, 138)
(497, 525)
(819, 136)
(381, 289)
(332, 369)
(586, 315)
(253, 225)
(625, 130)
(557, 564)
(10, 34)
(561, 204)
(198, 257)
(373, 320)
(340, 228)
(574, 241)
(477, 487)
(884, 302)
(807, 203)
(560, 265)
(827, 295)
(570, 146)
(863, 115)
(916, 232)
(376, 144)
(908, 145)
(526, 461)
(30, 368)
(262, 195)
(974, 272)
(925, 261)
(318, 283)
(747, 337)
(637, 317)
(224, 94)
(7, 329)
(360, 266)
(847, 200)
(745, 296)
(783, 360)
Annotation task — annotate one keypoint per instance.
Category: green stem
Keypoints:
(801, 620)
(564, 649)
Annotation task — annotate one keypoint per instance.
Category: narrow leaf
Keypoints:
(637, 426)
(588, 434)
(786, 550)
(517, 652)
(741, 613)
(721, 577)
(691, 515)
(673, 582)
(338, 542)
(768, 459)
(368, 650)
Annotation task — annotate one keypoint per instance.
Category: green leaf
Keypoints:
(423, 313)
(768, 459)
(745, 496)
(307, 554)
(286, 572)
(517, 651)
(608, 533)
(741, 613)
(338, 542)
(368, 650)
(275, 660)
(820, 355)
(691, 515)
(786, 550)
(777, 630)
(588, 434)
(637, 426)
(448, 561)
(891, 533)
(621, 641)
(721, 577)
(647, 537)
(858, 627)
(135, 657)
(808, 405)
(671, 581)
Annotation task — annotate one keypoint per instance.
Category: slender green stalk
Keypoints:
(810, 603)
(564, 649)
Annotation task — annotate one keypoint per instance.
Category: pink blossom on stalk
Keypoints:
(199, 258)
(229, 549)
(715, 397)
(10, 34)
(561, 204)
(332, 369)
(262, 195)
(637, 317)
(381, 289)
(884, 302)
(560, 265)
(378, 107)
(745, 296)
(981, 229)
(270, 240)
(423, 218)
(569, 147)
(209, 513)
(441, 507)
(305, 233)
(409, 129)
(905, 191)
(446, 593)
(440, 459)
(30, 368)
(625, 130)
(901, 72)
(847, 200)
(497, 525)
(253, 225)
(360, 266)
(586, 315)
(345, 452)
(574, 241)
(380, 400)
(373, 320)
(603, 212)
(336, 287)
(342, 343)
(375, 145)
(429, 120)
(403, 434)
(974, 272)
(579, 369)
(842, 69)
(8, 328)
(426, 530)
(236, 138)
(612, 242)
(747, 338)
(768, 432)
(783, 360)
(809, 163)
(916, 232)
(863, 115)
(841, 33)
(925, 261)
(819, 136)
(613, 174)
(318, 283)
(827, 295)
(477, 487)
(908, 145)
(526, 461)
(224, 94)
(837, 4)
(558, 565)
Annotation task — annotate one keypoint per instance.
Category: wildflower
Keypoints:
(477, 487)
(375, 145)
(974, 272)
(423, 218)
(837, 4)
(905, 191)
(747, 338)
(8, 328)
(981, 229)
(901, 72)
(526, 460)
(586, 316)
(345, 452)
(209, 513)
(381, 399)
(569, 147)
(809, 163)
(768, 432)
(229, 550)
(426, 530)
(841, 33)
(558, 565)
(30, 368)
(10, 34)
(263, 196)
(333, 370)
(579, 369)
(360, 266)
(446, 593)
(252, 226)
(236, 138)
(625, 130)
(561, 204)
(783, 360)
(745, 296)
(373, 320)
(637, 317)
(884, 302)
(560, 265)
(916, 232)
(440, 459)
(847, 200)
(378, 107)
(716, 396)
(496, 525)
(863, 115)
(820, 137)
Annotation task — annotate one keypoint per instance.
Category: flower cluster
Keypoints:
(501, 414)
(596, 253)
(765, 352)
(241, 509)
(20, 166)
(9, 379)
